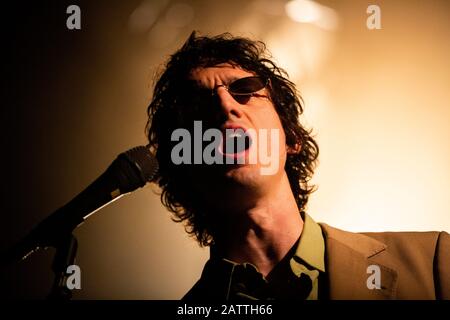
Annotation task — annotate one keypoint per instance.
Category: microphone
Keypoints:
(131, 170)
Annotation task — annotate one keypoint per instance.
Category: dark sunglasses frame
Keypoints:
(199, 96)
(231, 87)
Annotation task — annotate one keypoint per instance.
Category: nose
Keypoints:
(229, 106)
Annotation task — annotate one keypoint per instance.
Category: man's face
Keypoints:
(256, 115)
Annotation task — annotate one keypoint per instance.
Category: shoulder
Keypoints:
(420, 238)
(416, 248)
(426, 242)
(423, 244)
(421, 259)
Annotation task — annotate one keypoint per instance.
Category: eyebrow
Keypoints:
(234, 78)
(197, 85)
(197, 88)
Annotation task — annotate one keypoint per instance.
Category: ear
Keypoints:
(294, 150)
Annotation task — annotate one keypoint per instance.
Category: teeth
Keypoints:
(236, 141)
(235, 135)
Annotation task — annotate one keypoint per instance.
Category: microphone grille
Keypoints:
(144, 161)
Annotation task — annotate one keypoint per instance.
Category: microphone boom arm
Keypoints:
(130, 170)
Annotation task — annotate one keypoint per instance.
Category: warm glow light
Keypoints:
(307, 11)
(300, 49)
(145, 15)
(303, 11)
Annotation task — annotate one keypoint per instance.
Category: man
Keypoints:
(263, 244)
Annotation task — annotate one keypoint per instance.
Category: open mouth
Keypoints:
(235, 142)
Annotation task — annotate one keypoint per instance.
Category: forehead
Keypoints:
(224, 73)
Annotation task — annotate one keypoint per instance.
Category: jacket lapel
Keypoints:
(348, 256)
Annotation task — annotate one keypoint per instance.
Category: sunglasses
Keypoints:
(241, 90)
(245, 86)
(199, 100)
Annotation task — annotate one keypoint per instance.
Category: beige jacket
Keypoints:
(413, 265)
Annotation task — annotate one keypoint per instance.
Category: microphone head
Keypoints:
(144, 161)
(134, 168)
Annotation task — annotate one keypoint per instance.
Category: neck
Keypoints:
(265, 232)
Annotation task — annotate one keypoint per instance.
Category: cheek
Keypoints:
(283, 147)
(267, 118)
(277, 125)
(279, 139)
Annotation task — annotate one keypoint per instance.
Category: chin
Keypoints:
(246, 177)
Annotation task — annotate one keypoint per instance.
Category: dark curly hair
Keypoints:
(172, 108)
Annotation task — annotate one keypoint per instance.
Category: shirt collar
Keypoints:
(311, 245)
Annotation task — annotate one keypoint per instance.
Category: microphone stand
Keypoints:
(66, 251)
(130, 170)
(66, 246)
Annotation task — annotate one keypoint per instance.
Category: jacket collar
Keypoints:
(348, 256)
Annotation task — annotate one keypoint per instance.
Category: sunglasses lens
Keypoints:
(247, 85)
